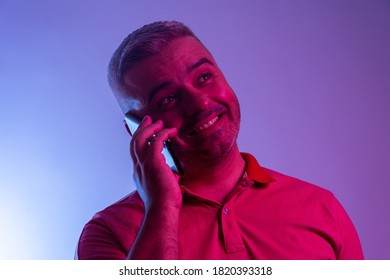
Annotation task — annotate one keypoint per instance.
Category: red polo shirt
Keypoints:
(267, 216)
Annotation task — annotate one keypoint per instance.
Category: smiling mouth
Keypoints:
(205, 126)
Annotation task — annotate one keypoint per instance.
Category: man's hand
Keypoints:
(157, 184)
(159, 189)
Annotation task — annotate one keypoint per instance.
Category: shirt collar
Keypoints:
(255, 171)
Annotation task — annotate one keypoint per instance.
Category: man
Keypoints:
(223, 205)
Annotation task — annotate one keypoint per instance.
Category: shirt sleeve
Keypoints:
(98, 243)
(350, 247)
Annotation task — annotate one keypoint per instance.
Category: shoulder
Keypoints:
(306, 205)
(280, 187)
(296, 199)
(130, 201)
(276, 181)
(127, 208)
(321, 207)
(110, 232)
(288, 183)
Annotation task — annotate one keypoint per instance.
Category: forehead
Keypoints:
(170, 65)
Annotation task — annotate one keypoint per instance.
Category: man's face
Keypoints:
(183, 87)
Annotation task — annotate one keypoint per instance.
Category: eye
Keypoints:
(167, 100)
(204, 77)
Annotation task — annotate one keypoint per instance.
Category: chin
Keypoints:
(207, 156)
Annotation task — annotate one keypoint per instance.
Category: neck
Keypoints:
(215, 182)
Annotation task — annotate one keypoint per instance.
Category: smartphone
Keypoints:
(170, 157)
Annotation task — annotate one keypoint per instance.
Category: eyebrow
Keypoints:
(201, 61)
(154, 91)
(188, 69)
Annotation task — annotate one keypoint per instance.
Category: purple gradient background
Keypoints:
(312, 77)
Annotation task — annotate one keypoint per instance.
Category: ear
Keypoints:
(127, 127)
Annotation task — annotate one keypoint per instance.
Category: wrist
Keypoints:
(162, 208)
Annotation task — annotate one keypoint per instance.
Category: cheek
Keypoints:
(170, 119)
(228, 97)
(222, 91)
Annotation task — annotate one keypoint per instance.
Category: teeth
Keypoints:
(207, 125)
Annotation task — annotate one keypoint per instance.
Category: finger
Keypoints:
(165, 134)
(147, 120)
(140, 140)
(157, 142)
(146, 130)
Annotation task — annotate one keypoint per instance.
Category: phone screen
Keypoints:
(170, 157)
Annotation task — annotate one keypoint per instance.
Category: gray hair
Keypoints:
(144, 42)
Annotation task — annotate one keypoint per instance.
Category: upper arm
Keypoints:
(350, 247)
(97, 242)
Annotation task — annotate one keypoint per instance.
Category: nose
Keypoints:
(194, 102)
